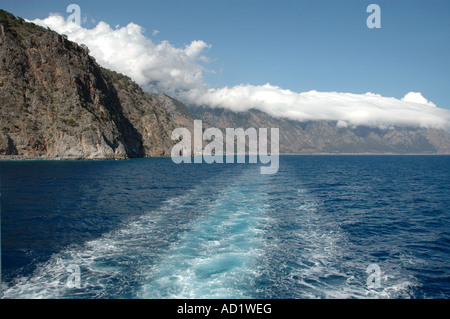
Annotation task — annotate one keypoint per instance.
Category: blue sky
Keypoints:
(296, 45)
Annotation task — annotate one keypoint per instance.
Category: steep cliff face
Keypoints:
(57, 102)
(153, 120)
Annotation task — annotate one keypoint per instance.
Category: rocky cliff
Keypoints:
(57, 102)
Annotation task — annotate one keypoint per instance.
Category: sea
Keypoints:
(322, 227)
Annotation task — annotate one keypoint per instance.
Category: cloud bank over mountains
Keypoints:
(162, 67)
(346, 108)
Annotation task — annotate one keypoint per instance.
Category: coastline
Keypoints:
(12, 158)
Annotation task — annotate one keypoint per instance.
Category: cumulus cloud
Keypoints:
(178, 72)
(417, 97)
(156, 67)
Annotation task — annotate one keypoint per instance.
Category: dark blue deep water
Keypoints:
(149, 228)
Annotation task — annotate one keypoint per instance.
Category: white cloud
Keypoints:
(346, 108)
(155, 32)
(342, 124)
(178, 72)
(417, 97)
(156, 67)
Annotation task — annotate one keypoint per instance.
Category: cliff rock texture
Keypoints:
(57, 102)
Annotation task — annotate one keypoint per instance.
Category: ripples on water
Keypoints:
(148, 228)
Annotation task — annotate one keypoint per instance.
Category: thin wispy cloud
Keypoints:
(162, 67)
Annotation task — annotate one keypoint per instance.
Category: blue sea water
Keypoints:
(149, 228)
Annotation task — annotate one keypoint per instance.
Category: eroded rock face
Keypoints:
(7, 146)
(57, 102)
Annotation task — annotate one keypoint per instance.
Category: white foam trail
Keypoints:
(214, 256)
(317, 260)
(217, 258)
(111, 264)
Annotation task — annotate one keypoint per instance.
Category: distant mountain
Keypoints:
(326, 137)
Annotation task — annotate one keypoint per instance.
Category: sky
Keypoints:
(314, 59)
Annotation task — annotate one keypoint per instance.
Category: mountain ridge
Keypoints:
(327, 137)
(57, 102)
